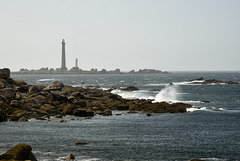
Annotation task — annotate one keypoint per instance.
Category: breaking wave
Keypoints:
(205, 109)
(46, 80)
(170, 93)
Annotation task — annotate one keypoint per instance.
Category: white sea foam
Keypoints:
(205, 109)
(156, 84)
(168, 94)
(141, 94)
(214, 159)
(45, 80)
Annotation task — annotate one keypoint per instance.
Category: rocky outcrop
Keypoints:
(4, 73)
(211, 81)
(20, 102)
(19, 152)
(130, 88)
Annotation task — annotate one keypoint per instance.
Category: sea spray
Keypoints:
(141, 94)
(168, 94)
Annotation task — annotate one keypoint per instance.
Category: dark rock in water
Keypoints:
(58, 116)
(23, 119)
(69, 157)
(2, 116)
(4, 73)
(198, 79)
(212, 81)
(130, 88)
(231, 82)
(148, 114)
(204, 101)
(19, 152)
(83, 113)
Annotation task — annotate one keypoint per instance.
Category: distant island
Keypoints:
(76, 70)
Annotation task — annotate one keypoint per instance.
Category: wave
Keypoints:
(170, 93)
(141, 94)
(205, 109)
(46, 80)
(156, 84)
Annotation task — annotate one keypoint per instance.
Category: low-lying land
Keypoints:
(20, 101)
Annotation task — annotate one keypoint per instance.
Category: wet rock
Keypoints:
(69, 157)
(198, 79)
(19, 152)
(23, 119)
(83, 113)
(130, 88)
(123, 107)
(58, 116)
(204, 101)
(213, 81)
(61, 121)
(108, 112)
(149, 114)
(4, 73)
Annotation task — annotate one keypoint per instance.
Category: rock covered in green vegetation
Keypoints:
(20, 101)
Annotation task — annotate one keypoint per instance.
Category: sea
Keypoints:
(210, 131)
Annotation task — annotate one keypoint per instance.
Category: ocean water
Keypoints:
(211, 132)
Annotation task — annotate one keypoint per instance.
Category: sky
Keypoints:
(168, 35)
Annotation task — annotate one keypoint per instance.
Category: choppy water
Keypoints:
(211, 133)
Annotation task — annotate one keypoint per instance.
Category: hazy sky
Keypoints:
(172, 35)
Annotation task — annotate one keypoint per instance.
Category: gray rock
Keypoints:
(55, 85)
(8, 92)
(20, 82)
(4, 73)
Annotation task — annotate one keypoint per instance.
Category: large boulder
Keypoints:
(55, 85)
(4, 73)
(8, 92)
(19, 152)
(20, 82)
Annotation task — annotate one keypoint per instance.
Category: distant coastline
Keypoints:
(92, 71)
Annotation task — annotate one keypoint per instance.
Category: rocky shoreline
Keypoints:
(21, 102)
